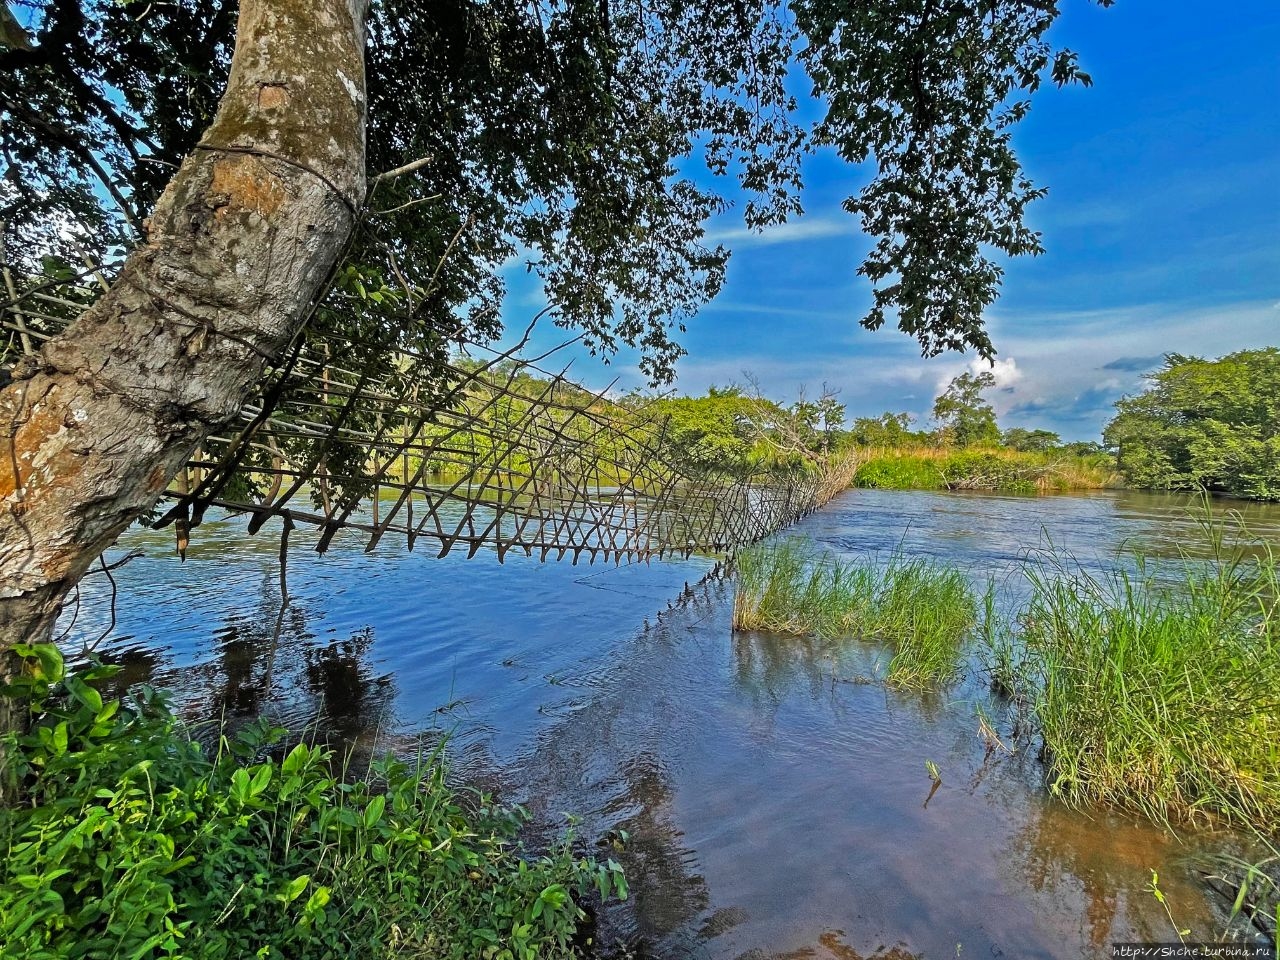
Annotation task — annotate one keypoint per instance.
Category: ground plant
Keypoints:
(984, 468)
(133, 840)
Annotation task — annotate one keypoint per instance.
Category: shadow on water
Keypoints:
(777, 803)
(328, 689)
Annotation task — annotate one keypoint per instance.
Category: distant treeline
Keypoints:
(967, 450)
(1201, 425)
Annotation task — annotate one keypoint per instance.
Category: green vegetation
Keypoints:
(964, 419)
(967, 450)
(1029, 441)
(922, 610)
(132, 842)
(740, 432)
(1162, 698)
(1204, 425)
(1149, 694)
(984, 468)
(1252, 887)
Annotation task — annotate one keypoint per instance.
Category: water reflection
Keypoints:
(270, 665)
(775, 799)
(1103, 863)
(778, 812)
(266, 663)
(831, 946)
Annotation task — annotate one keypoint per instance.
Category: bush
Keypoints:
(1204, 425)
(131, 841)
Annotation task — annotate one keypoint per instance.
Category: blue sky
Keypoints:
(1162, 229)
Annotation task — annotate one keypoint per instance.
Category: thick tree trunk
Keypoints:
(241, 242)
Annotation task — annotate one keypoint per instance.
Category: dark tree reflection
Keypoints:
(265, 663)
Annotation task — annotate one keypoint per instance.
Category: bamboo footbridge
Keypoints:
(464, 449)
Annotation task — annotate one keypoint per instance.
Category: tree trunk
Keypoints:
(238, 247)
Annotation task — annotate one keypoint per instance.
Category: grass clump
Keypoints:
(131, 841)
(1158, 697)
(922, 610)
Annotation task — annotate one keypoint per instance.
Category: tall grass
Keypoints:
(922, 610)
(1009, 471)
(1162, 697)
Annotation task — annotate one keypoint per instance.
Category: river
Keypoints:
(775, 809)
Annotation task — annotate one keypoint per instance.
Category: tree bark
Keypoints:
(239, 245)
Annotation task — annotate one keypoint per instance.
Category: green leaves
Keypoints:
(135, 843)
(930, 91)
(563, 138)
(1204, 425)
(82, 693)
(294, 889)
(963, 417)
(373, 812)
(44, 661)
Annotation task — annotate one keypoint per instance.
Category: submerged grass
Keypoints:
(923, 610)
(1155, 694)
(1151, 694)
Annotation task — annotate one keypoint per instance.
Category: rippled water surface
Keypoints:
(777, 808)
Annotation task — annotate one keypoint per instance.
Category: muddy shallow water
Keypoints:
(777, 806)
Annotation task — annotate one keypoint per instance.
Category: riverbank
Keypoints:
(132, 838)
(983, 468)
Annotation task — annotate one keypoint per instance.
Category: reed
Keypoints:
(1162, 697)
(921, 610)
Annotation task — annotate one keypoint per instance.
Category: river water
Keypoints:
(775, 808)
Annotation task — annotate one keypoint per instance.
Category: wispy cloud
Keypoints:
(1062, 370)
(794, 231)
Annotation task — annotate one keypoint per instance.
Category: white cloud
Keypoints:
(1005, 370)
(793, 231)
(1051, 372)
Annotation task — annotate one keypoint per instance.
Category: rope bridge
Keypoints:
(433, 444)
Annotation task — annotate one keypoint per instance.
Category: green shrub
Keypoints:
(132, 841)
(899, 471)
(1204, 425)
(984, 468)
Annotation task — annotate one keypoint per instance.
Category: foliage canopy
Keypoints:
(1204, 425)
(964, 418)
(566, 133)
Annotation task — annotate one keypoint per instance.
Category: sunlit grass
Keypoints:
(921, 610)
(1008, 471)
(1161, 697)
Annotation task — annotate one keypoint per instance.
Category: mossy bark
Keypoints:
(238, 248)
